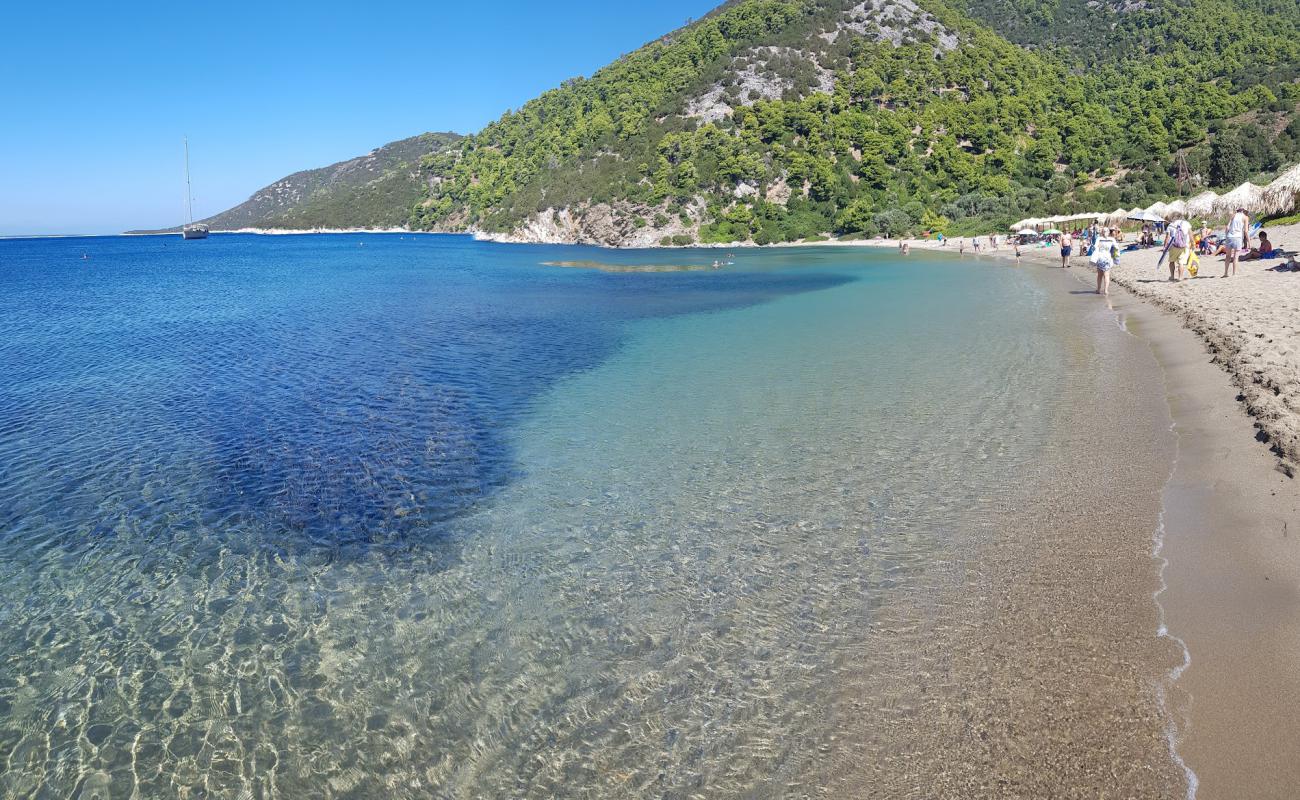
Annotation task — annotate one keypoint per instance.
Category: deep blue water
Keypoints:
(334, 391)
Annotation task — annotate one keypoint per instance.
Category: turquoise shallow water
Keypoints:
(367, 516)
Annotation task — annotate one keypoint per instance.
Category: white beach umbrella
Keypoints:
(1202, 205)
(1027, 232)
(1280, 196)
(1247, 196)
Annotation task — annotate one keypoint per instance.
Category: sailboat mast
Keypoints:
(189, 195)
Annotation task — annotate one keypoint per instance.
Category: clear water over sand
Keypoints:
(379, 517)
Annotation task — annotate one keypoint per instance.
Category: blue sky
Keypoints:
(96, 96)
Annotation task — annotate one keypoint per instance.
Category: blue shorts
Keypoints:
(1065, 252)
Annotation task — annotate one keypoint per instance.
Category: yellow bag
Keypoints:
(1193, 263)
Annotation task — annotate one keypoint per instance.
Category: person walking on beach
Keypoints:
(1178, 246)
(1067, 247)
(1102, 259)
(961, 247)
(1238, 241)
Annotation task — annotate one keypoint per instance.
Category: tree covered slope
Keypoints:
(775, 120)
(376, 190)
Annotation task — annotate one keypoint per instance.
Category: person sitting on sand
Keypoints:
(1266, 249)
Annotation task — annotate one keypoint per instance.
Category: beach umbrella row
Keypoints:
(1282, 196)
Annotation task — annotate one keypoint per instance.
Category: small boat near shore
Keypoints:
(191, 230)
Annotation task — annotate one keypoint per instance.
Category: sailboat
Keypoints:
(192, 230)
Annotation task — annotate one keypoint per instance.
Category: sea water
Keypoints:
(414, 516)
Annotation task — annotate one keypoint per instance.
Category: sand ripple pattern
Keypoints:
(642, 554)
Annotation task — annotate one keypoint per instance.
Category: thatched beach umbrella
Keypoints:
(1202, 205)
(1158, 209)
(1247, 196)
(1280, 196)
(1176, 207)
(1115, 217)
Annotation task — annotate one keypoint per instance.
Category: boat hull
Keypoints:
(194, 232)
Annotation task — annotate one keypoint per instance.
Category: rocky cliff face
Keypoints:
(607, 225)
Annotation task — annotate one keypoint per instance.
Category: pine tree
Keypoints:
(1227, 162)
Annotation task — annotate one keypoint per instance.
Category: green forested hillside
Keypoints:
(376, 190)
(784, 119)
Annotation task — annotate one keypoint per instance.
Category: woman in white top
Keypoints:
(1102, 259)
(1238, 240)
